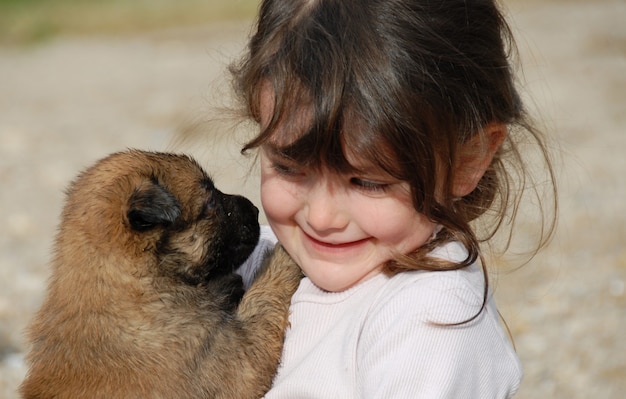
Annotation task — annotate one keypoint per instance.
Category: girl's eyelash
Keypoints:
(368, 185)
(285, 170)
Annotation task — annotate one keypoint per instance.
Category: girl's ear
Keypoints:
(475, 156)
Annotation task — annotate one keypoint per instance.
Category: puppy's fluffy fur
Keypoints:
(143, 302)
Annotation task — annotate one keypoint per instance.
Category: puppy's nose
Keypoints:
(245, 205)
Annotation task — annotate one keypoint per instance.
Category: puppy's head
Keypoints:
(163, 211)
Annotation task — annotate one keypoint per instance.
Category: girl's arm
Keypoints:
(248, 269)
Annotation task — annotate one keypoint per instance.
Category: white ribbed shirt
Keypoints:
(384, 338)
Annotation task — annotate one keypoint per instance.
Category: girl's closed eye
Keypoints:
(369, 186)
(285, 170)
(281, 166)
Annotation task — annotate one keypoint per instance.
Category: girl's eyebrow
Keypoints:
(274, 151)
(364, 166)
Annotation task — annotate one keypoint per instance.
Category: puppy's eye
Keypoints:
(208, 205)
(210, 201)
(207, 184)
(210, 193)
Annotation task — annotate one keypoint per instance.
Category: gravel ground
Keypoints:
(69, 101)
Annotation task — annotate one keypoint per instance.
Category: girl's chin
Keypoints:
(327, 278)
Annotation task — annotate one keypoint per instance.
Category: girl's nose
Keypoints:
(325, 208)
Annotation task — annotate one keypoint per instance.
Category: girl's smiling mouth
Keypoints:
(326, 246)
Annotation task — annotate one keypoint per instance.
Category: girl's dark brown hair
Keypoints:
(401, 83)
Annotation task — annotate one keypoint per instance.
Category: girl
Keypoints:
(387, 128)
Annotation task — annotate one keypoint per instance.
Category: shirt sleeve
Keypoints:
(409, 349)
(249, 268)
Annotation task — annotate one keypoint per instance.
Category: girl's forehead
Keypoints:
(353, 147)
(266, 104)
(293, 119)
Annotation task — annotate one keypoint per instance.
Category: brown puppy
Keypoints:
(143, 302)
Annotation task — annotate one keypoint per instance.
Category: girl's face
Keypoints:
(340, 229)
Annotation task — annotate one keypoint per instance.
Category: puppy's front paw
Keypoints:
(284, 270)
(278, 280)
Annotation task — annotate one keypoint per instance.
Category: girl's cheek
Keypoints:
(278, 197)
(270, 196)
(399, 225)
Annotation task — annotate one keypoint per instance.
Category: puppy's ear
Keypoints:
(152, 205)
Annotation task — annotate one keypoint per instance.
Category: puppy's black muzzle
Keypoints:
(239, 227)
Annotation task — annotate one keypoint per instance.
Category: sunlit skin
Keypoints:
(340, 229)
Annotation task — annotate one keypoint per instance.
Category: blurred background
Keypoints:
(82, 78)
